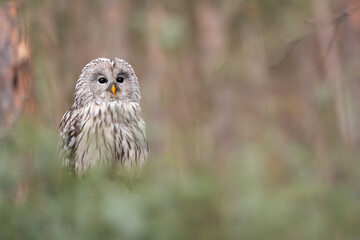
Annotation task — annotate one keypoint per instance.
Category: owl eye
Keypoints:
(102, 80)
(120, 79)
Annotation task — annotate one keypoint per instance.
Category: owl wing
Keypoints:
(69, 129)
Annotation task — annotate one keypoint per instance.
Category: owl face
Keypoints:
(107, 80)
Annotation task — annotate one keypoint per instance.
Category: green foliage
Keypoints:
(165, 201)
(172, 33)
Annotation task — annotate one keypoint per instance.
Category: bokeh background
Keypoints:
(252, 112)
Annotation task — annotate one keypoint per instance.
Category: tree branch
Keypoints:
(317, 25)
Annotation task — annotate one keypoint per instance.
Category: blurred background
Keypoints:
(251, 106)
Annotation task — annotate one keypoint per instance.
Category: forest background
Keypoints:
(251, 106)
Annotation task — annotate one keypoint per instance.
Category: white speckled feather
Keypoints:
(100, 128)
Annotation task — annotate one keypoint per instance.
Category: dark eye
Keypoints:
(120, 79)
(102, 80)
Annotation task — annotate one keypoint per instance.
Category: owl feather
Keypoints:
(104, 126)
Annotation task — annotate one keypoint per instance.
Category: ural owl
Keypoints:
(104, 125)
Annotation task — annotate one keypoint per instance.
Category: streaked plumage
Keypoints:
(104, 126)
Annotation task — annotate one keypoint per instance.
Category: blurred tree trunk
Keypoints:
(349, 39)
(15, 71)
(333, 70)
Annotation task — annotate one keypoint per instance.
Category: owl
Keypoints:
(104, 125)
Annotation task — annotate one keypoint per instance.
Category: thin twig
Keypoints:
(331, 43)
(290, 48)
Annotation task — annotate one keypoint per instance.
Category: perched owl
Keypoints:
(104, 125)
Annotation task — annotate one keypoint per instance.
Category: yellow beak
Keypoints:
(113, 89)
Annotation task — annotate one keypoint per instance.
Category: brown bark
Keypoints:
(15, 71)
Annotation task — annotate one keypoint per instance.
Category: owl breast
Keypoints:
(112, 133)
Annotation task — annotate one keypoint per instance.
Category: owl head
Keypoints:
(106, 80)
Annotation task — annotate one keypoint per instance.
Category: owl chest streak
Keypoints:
(112, 133)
